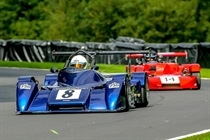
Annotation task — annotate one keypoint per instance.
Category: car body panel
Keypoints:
(172, 82)
(82, 97)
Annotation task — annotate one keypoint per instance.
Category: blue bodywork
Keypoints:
(138, 77)
(75, 90)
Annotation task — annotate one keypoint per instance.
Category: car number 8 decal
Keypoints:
(169, 79)
(68, 94)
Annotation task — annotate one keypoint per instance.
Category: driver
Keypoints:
(151, 57)
(79, 61)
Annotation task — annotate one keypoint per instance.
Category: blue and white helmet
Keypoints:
(152, 56)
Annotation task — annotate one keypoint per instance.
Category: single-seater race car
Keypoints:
(166, 75)
(75, 88)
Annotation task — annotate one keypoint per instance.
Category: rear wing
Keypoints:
(164, 54)
(99, 52)
(93, 54)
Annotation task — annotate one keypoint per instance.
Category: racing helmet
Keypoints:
(79, 61)
(151, 57)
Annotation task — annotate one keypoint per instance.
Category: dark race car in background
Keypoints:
(167, 75)
(74, 89)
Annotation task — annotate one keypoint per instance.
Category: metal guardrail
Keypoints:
(41, 51)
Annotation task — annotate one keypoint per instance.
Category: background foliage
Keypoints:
(159, 21)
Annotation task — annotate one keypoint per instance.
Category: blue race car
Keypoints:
(75, 89)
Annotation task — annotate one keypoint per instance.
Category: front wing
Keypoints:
(167, 82)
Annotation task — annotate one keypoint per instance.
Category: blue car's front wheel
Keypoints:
(127, 94)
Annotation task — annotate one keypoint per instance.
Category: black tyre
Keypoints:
(144, 97)
(34, 80)
(127, 91)
(145, 93)
(198, 76)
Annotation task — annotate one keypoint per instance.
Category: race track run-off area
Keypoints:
(170, 114)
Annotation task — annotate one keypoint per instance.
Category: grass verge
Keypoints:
(205, 136)
(47, 65)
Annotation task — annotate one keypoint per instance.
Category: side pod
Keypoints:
(25, 93)
(113, 90)
(141, 76)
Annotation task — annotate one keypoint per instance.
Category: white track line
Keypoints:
(205, 78)
(189, 135)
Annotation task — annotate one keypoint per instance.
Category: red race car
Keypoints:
(169, 74)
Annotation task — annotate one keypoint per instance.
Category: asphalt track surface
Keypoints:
(169, 114)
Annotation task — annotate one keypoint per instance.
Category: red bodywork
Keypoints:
(165, 76)
(175, 54)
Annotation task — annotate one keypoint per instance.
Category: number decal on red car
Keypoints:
(169, 79)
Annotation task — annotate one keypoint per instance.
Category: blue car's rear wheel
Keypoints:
(145, 93)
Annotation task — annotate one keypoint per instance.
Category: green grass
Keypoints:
(205, 73)
(47, 65)
(205, 136)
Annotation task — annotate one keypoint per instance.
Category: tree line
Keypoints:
(155, 21)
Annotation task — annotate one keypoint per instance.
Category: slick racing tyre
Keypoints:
(144, 97)
(127, 94)
(34, 80)
(145, 93)
(198, 77)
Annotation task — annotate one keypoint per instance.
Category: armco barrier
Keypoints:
(204, 54)
(41, 51)
(2, 45)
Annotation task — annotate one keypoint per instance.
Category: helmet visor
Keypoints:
(78, 64)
